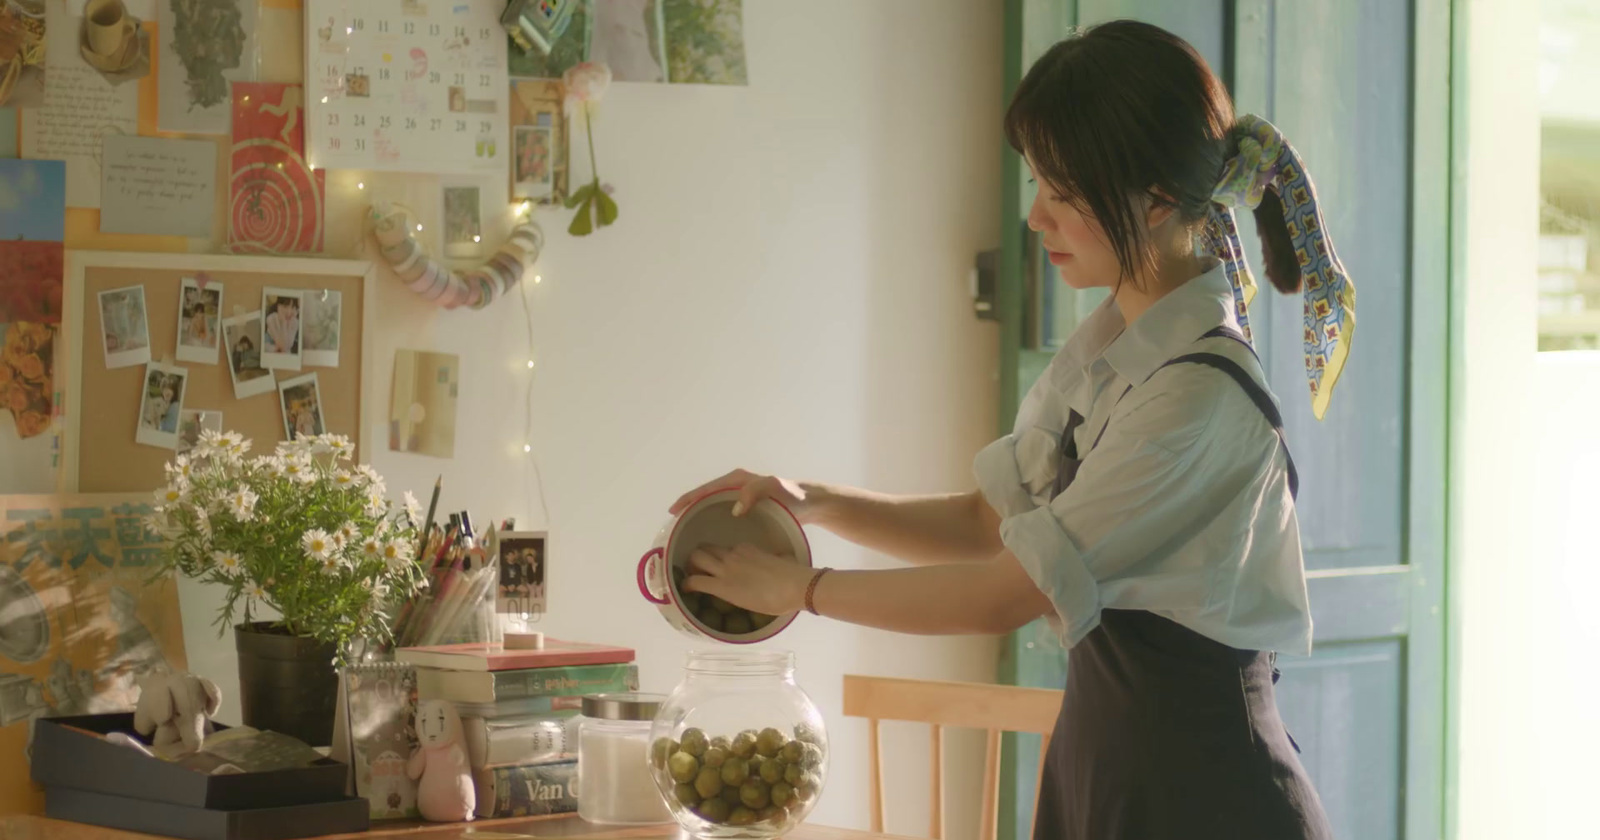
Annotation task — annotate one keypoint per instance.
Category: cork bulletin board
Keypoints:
(101, 452)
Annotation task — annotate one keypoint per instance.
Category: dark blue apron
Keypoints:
(1166, 733)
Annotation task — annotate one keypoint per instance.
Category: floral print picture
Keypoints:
(26, 371)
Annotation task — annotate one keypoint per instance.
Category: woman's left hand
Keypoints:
(749, 578)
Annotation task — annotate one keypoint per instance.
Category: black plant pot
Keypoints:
(287, 683)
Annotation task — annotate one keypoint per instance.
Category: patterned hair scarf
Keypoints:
(1265, 160)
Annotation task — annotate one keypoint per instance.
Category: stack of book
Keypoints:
(518, 714)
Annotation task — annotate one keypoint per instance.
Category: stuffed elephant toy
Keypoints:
(175, 706)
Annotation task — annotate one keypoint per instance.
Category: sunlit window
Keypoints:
(1569, 175)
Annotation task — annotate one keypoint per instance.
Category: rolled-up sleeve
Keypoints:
(999, 479)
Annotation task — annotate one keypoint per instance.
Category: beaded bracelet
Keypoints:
(812, 589)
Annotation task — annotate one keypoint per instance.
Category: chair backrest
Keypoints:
(993, 708)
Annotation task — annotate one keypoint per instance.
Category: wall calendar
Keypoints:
(408, 86)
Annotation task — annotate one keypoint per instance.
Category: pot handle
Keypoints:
(644, 588)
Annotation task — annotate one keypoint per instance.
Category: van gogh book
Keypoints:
(529, 790)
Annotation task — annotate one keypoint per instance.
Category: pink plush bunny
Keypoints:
(445, 792)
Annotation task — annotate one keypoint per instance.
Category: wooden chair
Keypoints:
(994, 708)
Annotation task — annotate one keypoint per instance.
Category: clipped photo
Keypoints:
(522, 573)
(320, 336)
(282, 309)
(124, 327)
(199, 316)
(463, 222)
(191, 422)
(533, 175)
(242, 338)
(302, 406)
(160, 405)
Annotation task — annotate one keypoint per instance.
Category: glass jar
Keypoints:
(614, 780)
(738, 749)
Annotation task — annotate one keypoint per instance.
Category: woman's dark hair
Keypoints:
(245, 340)
(1123, 109)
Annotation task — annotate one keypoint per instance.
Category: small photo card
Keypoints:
(191, 422)
(463, 222)
(523, 555)
(320, 335)
(282, 309)
(125, 327)
(242, 338)
(302, 406)
(199, 316)
(161, 404)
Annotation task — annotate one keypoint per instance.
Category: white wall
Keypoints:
(785, 290)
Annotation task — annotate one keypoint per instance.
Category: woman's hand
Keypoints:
(749, 578)
(752, 489)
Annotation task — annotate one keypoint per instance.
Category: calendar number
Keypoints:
(383, 26)
(359, 71)
(461, 125)
(433, 77)
(433, 29)
(411, 122)
(358, 24)
(483, 34)
(486, 126)
(333, 143)
(383, 122)
(383, 73)
(333, 72)
(360, 120)
(461, 79)
(361, 144)
(333, 119)
(461, 32)
(484, 80)
(435, 123)
(411, 29)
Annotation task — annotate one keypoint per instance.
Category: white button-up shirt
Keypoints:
(1183, 507)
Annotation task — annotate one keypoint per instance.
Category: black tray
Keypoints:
(64, 758)
(344, 816)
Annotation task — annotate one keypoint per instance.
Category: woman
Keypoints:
(246, 360)
(283, 326)
(197, 329)
(1144, 504)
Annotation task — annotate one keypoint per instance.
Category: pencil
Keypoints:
(433, 505)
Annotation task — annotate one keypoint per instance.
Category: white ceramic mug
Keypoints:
(108, 22)
(709, 519)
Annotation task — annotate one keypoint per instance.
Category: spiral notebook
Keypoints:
(375, 734)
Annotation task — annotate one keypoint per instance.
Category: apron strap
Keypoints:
(1257, 394)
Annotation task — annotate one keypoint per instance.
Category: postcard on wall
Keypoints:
(114, 41)
(705, 41)
(27, 390)
(522, 573)
(281, 328)
(302, 407)
(320, 335)
(160, 405)
(422, 409)
(199, 317)
(539, 147)
(22, 48)
(242, 336)
(80, 108)
(124, 327)
(191, 422)
(82, 618)
(33, 207)
(158, 187)
(463, 221)
(275, 200)
(205, 45)
(628, 39)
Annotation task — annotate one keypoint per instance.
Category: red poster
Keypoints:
(274, 198)
(33, 211)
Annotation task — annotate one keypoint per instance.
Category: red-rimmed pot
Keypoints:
(709, 520)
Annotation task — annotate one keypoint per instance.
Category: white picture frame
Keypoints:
(321, 328)
(161, 393)
(249, 377)
(300, 403)
(124, 327)
(281, 322)
(194, 332)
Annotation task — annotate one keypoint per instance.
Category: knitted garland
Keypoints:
(450, 289)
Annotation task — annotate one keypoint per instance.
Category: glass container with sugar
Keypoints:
(615, 785)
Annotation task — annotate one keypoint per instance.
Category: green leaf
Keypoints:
(580, 196)
(583, 222)
(608, 208)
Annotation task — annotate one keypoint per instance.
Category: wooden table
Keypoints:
(27, 827)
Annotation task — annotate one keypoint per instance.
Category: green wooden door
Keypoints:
(1361, 88)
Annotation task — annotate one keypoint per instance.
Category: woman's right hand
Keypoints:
(752, 489)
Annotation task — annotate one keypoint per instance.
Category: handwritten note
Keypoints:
(80, 108)
(158, 186)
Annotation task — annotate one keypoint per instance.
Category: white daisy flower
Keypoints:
(317, 543)
(376, 503)
(350, 532)
(396, 553)
(371, 475)
(342, 448)
(173, 494)
(234, 445)
(202, 522)
(228, 562)
(242, 504)
(343, 478)
(372, 548)
(331, 564)
(179, 469)
(255, 592)
(299, 468)
(413, 509)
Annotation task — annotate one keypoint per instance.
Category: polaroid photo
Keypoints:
(242, 338)
(199, 316)
(523, 560)
(301, 401)
(320, 335)
(463, 221)
(160, 405)
(191, 422)
(124, 327)
(280, 328)
(533, 171)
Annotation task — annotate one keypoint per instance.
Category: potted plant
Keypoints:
(307, 549)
